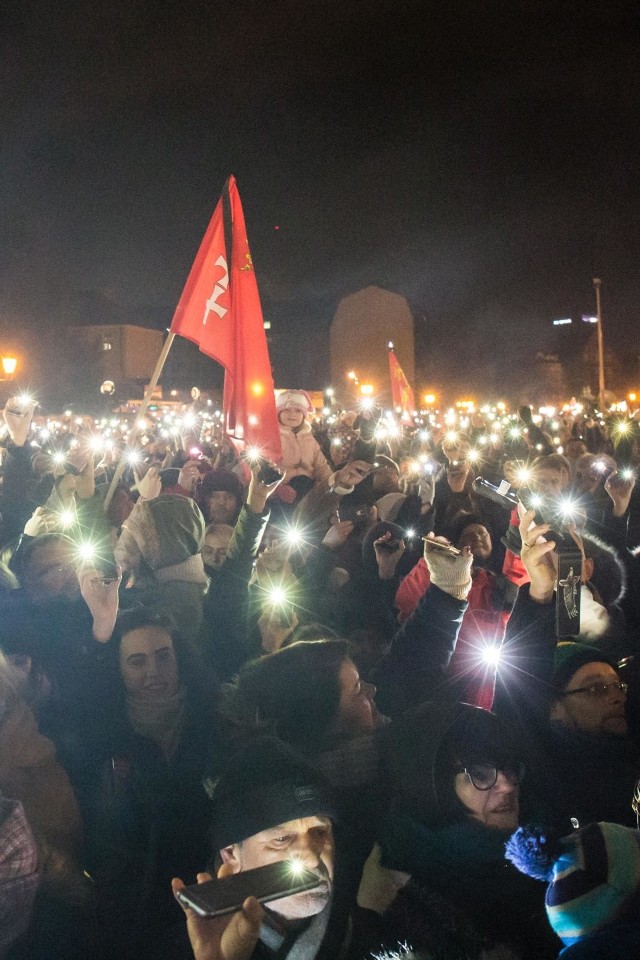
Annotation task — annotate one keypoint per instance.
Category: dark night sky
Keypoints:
(481, 158)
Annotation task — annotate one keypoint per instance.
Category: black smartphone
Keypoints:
(357, 513)
(500, 493)
(215, 898)
(268, 474)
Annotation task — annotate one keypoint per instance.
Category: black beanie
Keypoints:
(266, 784)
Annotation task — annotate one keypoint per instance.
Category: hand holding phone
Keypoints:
(214, 938)
(215, 898)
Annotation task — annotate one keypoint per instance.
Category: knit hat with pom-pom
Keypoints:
(593, 875)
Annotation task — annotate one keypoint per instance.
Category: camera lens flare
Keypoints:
(492, 656)
(86, 551)
(67, 517)
(253, 454)
(278, 596)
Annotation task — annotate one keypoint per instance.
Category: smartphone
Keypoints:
(268, 474)
(215, 898)
(500, 493)
(442, 547)
(358, 514)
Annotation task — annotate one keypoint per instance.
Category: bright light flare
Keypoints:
(567, 509)
(523, 474)
(492, 656)
(87, 551)
(253, 454)
(366, 403)
(294, 537)
(133, 457)
(627, 474)
(67, 518)
(278, 596)
(25, 399)
(59, 457)
(451, 436)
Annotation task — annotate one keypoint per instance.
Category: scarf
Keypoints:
(466, 848)
(162, 720)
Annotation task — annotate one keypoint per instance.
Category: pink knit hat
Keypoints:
(294, 399)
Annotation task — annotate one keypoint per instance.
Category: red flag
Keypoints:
(220, 311)
(401, 392)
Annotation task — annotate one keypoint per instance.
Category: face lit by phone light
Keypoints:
(217, 539)
(307, 842)
(221, 507)
(50, 570)
(478, 539)
(148, 664)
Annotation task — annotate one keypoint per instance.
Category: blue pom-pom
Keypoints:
(533, 851)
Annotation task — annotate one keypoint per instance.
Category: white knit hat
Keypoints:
(294, 399)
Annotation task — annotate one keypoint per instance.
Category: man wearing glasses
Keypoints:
(589, 695)
(568, 702)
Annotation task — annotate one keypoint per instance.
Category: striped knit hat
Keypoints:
(593, 874)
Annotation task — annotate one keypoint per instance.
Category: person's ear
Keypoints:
(231, 855)
(587, 569)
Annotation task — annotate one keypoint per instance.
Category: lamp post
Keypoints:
(597, 282)
(9, 365)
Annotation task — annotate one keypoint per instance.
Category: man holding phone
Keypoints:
(269, 806)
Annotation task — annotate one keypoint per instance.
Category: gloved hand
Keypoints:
(452, 574)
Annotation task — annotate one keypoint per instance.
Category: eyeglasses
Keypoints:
(598, 690)
(484, 776)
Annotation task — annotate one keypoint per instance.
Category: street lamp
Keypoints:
(597, 282)
(9, 365)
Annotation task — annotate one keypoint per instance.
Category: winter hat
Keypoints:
(294, 399)
(569, 656)
(461, 522)
(169, 531)
(420, 750)
(390, 506)
(217, 480)
(266, 784)
(593, 875)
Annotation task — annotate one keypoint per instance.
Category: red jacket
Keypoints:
(482, 626)
(513, 567)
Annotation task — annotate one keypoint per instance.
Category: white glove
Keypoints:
(452, 574)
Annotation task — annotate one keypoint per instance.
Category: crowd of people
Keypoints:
(350, 658)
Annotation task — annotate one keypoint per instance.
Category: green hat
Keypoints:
(569, 656)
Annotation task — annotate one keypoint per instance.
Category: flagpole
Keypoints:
(153, 383)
